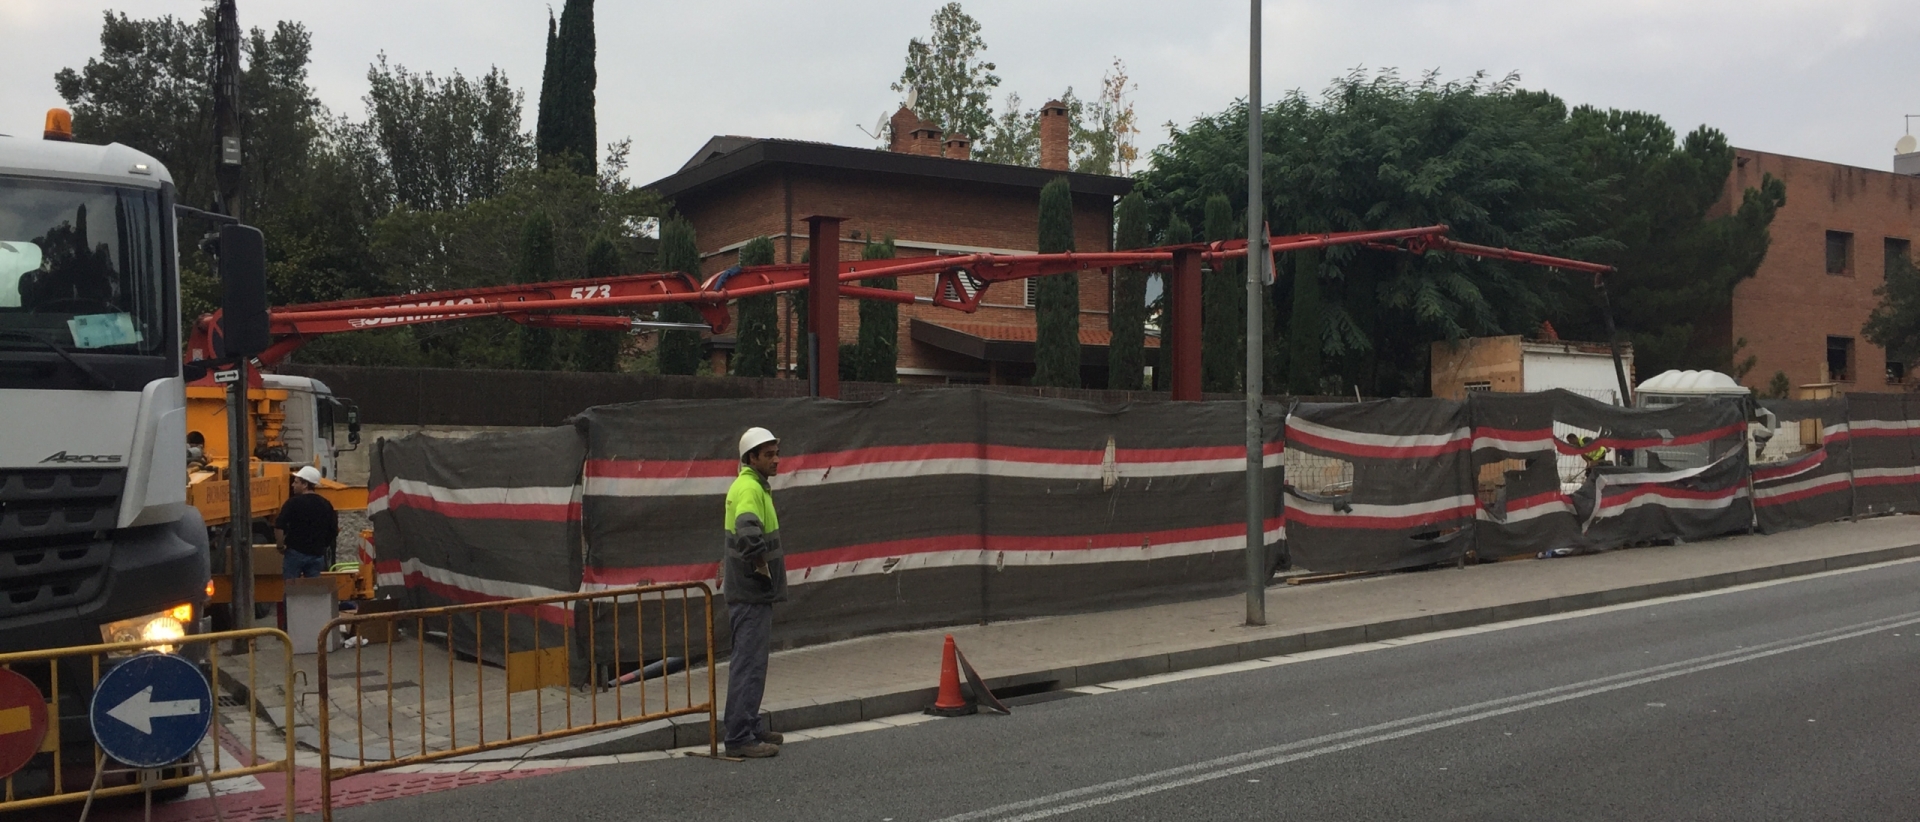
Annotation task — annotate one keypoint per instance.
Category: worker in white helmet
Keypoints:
(305, 530)
(753, 577)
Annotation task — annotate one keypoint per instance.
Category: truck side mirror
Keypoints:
(353, 426)
(244, 329)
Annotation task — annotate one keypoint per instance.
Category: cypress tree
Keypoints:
(1177, 233)
(878, 352)
(1127, 319)
(1056, 350)
(1306, 328)
(1223, 308)
(600, 350)
(566, 134)
(536, 266)
(679, 350)
(756, 344)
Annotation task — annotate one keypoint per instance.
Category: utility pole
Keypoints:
(1257, 262)
(229, 178)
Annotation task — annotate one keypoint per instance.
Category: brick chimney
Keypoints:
(1053, 135)
(926, 140)
(900, 128)
(959, 147)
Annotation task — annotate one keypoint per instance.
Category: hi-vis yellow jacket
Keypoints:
(753, 567)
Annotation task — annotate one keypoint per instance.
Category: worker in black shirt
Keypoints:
(305, 528)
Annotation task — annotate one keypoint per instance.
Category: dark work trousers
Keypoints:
(747, 672)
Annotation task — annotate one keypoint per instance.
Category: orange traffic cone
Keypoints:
(950, 702)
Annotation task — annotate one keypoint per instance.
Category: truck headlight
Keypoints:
(168, 624)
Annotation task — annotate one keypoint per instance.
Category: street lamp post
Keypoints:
(1257, 262)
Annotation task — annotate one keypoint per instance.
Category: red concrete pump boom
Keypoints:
(961, 281)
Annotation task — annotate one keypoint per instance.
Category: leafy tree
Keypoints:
(756, 349)
(878, 352)
(1127, 319)
(536, 266)
(1056, 353)
(1305, 341)
(442, 143)
(1014, 138)
(566, 134)
(955, 85)
(1895, 322)
(598, 350)
(1103, 129)
(679, 350)
(1223, 307)
(1501, 166)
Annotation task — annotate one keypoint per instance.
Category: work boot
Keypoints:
(772, 737)
(754, 750)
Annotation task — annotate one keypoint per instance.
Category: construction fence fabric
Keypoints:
(946, 507)
(916, 509)
(480, 519)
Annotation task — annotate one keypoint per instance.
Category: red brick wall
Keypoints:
(919, 213)
(1786, 311)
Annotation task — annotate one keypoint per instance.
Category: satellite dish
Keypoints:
(879, 127)
(913, 96)
(1907, 145)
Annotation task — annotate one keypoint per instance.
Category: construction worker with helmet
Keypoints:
(753, 578)
(305, 530)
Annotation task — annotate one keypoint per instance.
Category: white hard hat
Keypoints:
(308, 473)
(754, 438)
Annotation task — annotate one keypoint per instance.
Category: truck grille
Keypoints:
(51, 554)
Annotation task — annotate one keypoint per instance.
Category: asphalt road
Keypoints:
(1792, 701)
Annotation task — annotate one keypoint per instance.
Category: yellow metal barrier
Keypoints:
(500, 661)
(44, 669)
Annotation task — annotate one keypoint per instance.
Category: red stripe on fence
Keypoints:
(523, 511)
(1356, 449)
(1829, 485)
(1378, 523)
(1790, 468)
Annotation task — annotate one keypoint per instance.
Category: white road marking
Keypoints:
(1155, 782)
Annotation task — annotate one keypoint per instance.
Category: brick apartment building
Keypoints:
(925, 193)
(1802, 311)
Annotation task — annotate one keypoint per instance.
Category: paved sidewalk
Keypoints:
(873, 678)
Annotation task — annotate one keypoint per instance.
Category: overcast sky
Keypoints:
(1827, 79)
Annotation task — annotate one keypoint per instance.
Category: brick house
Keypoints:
(1802, 311)
(925, 193)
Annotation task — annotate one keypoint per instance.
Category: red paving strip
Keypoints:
(270, 803)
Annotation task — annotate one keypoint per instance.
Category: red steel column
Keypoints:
(1183, 294)
(823, 305)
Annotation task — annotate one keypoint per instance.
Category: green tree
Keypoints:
(1223, 307)
(1126, 351)
(536, 266)
(443, 142)
(1104, 128)
(954, 85)
(1306, 337)
(1056, 350)
(1500, 165)
(679, 350)
(566, 134)
(877, 354)
(1014, 137)
(1779, 387)
(598, 350)
(757, 343)
(1895, 322)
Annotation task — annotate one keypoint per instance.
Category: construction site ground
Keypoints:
(874, 682)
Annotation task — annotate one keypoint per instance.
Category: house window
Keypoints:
(1839, 253)
(1032, 286)
(1898, 251)
(1896, 372)
(1840, 359)
(1482, 385)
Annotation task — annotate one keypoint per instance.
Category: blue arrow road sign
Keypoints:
(151, 710)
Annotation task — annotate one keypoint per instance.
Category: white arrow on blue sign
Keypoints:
(151, 710)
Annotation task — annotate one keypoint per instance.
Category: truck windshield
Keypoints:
(81, 267)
